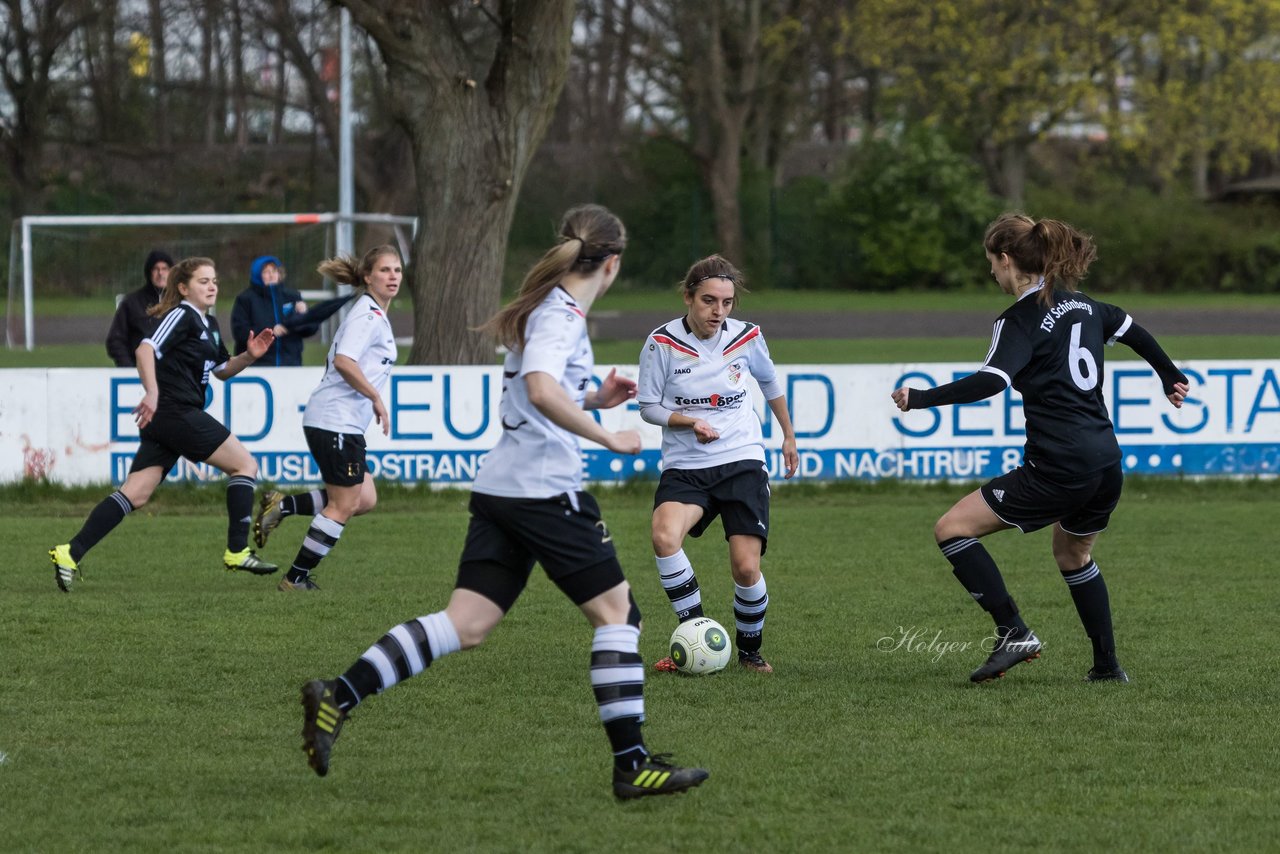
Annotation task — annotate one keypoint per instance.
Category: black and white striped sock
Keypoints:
(239, 510)
(321, 537)
(749, 606)
(676, 574)
(405, 651)
(617, 677)
(304, 503)
(1093, 604)
(101, 521)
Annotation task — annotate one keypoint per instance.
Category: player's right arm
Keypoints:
(651, 391)
(146, 362)
(1010, 351)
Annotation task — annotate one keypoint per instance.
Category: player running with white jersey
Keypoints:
(694, 383)
(527, 506)
(347, 399)
(1049, 346)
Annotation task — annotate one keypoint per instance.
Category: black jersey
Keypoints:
(188, 347)
(1053, 357)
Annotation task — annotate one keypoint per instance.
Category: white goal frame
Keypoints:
(22, 232)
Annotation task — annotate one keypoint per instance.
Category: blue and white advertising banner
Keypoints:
(75, 425)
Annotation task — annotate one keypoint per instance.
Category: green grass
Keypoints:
(155, 707)
(784, 351)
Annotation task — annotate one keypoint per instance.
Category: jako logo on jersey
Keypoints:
(683, 371)
(583, 383)
(714, 400)
(999, 494)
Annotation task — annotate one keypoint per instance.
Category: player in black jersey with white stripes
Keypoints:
(174, 364)
(1049, 346)
(527, 506)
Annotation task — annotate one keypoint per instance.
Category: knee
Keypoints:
(666, 540)
(745, 575)
(367, 503)
(249, 468)
(944, 529)
(136, 501)
(471, 633)
(1070, 557)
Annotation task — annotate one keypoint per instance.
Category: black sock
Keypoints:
(974, 568)
(102, 519)
(239, 511)
(1089, 592)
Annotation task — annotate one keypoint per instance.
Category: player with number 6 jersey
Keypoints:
(1049, 347)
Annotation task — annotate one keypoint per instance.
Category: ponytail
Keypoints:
(588, 235)
(346, 270)
(1050, 248)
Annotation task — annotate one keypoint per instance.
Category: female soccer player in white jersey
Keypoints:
(174, 365)
(1049, 346)
(527, 506)
(694, 375)
(348, 398)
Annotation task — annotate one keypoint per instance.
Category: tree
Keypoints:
(32, 35)
(1205, 89)
(999, 73)
(475, 90)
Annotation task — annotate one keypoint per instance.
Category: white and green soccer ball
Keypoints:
(700, 646)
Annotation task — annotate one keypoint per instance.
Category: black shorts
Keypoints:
(1029, 501)
(565, 534)
(339, 456)
(736, 492)
(190, 433)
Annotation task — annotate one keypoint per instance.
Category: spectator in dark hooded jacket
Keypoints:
(267, 303)
(131, 322)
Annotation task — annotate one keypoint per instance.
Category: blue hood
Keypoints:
(255, 269)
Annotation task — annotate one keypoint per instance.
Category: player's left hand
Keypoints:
(380, 415)
(615, 390)
(900, 397)
(791, 457)
(260, 343)
(1178, 394)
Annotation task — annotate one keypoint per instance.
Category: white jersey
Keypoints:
(535, 458)
(364, 336)
(708, 380)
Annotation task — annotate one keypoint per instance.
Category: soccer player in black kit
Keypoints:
(1048, 346)
(174, 364)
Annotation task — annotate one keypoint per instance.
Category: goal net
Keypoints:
(67, 273)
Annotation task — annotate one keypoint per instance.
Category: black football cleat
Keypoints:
(1008, 652)
(321, 722)
(1113, 673)
(657, 776)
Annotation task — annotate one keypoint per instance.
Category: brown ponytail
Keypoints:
(588, 235)
(346, 270)
(1049, 248)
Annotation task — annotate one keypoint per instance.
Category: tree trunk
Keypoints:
(472, 138)
(724, 182)
(160, 73)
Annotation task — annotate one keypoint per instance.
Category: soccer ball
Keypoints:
(700, 646)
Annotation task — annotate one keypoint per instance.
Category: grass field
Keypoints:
(155, 707)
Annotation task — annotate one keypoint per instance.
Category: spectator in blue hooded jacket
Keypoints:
(267, 303)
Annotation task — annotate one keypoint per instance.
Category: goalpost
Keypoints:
(307, 238)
